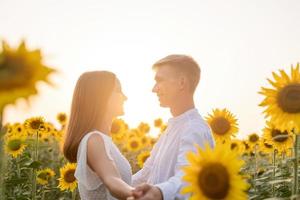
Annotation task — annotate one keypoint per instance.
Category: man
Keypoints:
(176, 77)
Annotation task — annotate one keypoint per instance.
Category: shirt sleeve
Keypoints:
(172, 187)
(143, 174)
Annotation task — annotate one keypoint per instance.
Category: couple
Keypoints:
(102, 171)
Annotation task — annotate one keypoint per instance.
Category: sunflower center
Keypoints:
(279, 136)
(44, 175)
(69, 176)
(158, 123)
(246, 145)
(14, 145)
(269, 146)
(36, 124)
(289, 98)
(15, 73)
(214, 181)
(220, 125)
(62, 118)
(253, 138)
(134, 144)
(233, 146)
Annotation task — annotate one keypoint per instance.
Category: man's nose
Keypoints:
(155, 88)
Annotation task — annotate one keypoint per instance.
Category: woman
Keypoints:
(102, 172)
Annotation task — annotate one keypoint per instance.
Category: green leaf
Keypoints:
(34, 164)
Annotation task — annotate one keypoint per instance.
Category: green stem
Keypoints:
(295, 182)
(35, 158)
(43, 196)
(255, 169)
(74, 194)
(274, 171)
(2, 157)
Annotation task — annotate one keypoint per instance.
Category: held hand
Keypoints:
(147, 192)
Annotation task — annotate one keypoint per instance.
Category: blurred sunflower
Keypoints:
(15, 129)
(214, 174)
(34, 124)
(253, 140)
(67, 180)
(223, 124)
(62, 118)
(158, 123)
(237, 146)
(265, 146)
(153, 141)
(15, 145)
(119, 138)
(163, 128)
(20, 70)
(145, 140)
(282, 102)
(282, 141)
(43, 176)
(134, 144)
(142, 157)
(144, 127)
(118, 126)
(247, 147)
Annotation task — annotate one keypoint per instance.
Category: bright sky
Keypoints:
(237, 44)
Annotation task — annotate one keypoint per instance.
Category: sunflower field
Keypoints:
(262, 166)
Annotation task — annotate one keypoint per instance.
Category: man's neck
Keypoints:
(182, 107)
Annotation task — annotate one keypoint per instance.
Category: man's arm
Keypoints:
(171, 188)
(142, 175)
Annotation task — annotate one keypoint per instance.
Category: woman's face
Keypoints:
(116, 100)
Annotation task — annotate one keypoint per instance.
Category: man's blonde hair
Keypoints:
(183, 64)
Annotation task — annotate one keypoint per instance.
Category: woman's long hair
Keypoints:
(89, 102)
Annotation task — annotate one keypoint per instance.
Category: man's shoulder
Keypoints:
(196, 124)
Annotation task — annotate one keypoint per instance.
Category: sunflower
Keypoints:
(15, 145)
(134, 144)
(163, 128)
(283, 101)
(247, 148)
(15, 129)
(62, 118)
(67, 180)
(282, 141)
(153, 141)
(265, 146)
(142, 157)
(158, 123)
(43, 176)
(237, 146)
(118, 138)
(34, 124)
(20, 70)
(253, 140)
(223, 124)
(118, 126)
(214, 174)
(144, 127)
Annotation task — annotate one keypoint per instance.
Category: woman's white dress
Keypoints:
(89, 184)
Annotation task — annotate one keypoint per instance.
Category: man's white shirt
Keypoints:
(164, 166)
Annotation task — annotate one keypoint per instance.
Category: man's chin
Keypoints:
(163, 105)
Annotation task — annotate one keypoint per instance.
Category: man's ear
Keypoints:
(182, 82)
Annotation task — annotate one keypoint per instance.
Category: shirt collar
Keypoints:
(183, 116)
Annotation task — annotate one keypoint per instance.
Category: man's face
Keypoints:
(166, 85)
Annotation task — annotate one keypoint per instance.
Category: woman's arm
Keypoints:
(105, 168)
